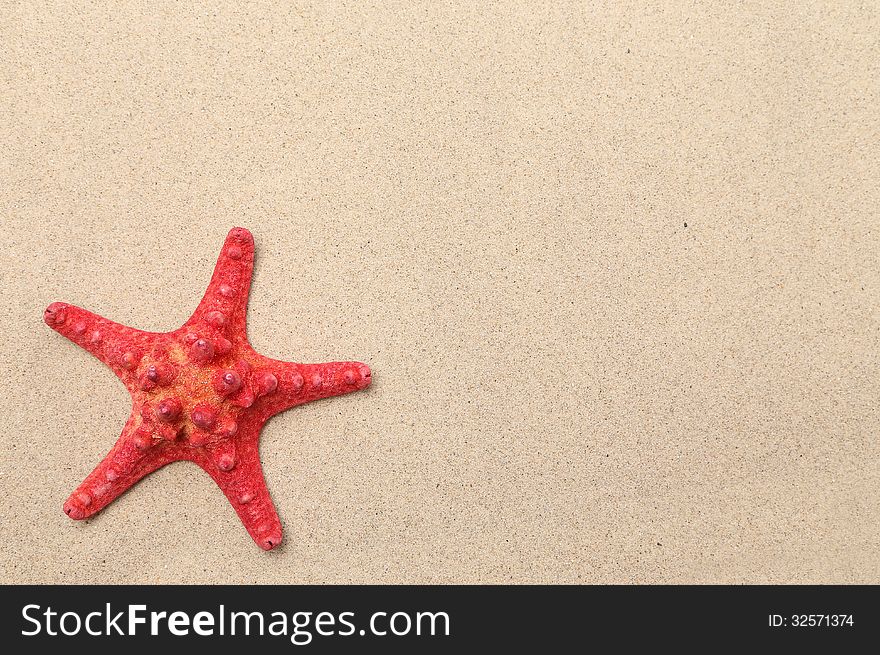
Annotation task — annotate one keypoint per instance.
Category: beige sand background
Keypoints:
(615, 270)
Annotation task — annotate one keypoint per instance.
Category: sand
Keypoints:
(615, 270)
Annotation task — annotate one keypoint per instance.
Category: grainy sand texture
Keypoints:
(614, 267)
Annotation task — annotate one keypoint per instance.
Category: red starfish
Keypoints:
(200, 393)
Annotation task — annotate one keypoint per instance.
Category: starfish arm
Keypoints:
(303, 383)
(224, 305)
(131, 458)
(118, 346)
(235, 467)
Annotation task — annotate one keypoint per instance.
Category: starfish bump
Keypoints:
(199, 393)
